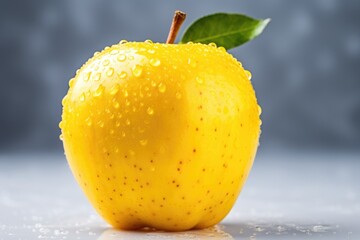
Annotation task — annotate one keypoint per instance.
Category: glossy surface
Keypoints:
(287, 196)
(161, 135)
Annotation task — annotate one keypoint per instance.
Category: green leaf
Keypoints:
(226, 30)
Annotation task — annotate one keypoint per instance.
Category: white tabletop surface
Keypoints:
(289, 195)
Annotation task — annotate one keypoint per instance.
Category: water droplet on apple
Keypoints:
(125, 93)
(141, 129)
(143, 142)
(122, 75)
(116, 104)
(114, 52)
(87, 77)
(127, 102)
(64, 100)
(106, 62)
(101, 124)
(199, 80)
(137, 70)
(155, 62)
(248, 74)
(88, 121)
(212, 44)
(82, 97)
(178, 95)
(110, 72)
(150, 111)
(71, 82)
(121, 58)
(115, 89)
(191, 62)
(162, 87)
(97, 76)
(99, 91)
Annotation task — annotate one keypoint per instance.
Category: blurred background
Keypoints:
(306, 65)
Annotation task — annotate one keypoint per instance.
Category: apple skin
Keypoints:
(161, 135)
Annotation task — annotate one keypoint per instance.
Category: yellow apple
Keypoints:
(161, 135)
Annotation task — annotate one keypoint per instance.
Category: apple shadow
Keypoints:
(226, 231)
(208, 233)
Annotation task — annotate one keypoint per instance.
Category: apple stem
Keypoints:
(179, 18)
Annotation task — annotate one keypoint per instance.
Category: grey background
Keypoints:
(305, 66)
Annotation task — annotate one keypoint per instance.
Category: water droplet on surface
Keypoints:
(150, 111)
(137, 70)
(101, 124)
(148, 41)
(97, 76)
(106, 62)
(143, 142)
(153, 83)
(189, 42)
(162, 87)
(178, 95)
(96, 53)
(121, 58)
(123, 41)
(110, 72)
(222, 49)
(248, 74)
(122, 75)
(115, 89)
(61, 137)
(155, 62)
(199, 80)
(61, 124)
(82, 97)
(151, 51)
(212, 44)
(99, 91)
(123, 134)
(114, 52)
(259, 110)
(127, 122)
